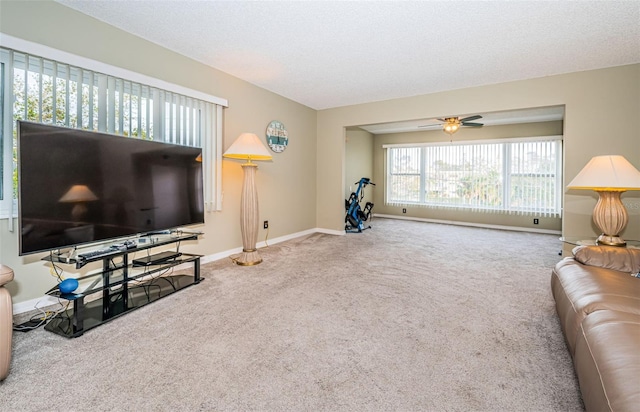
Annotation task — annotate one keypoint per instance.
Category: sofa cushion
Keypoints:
(607, 361)
(581, 289)
(617, 258)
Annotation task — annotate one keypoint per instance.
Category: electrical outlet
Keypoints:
(404, 210)
(536, 221)
(630, 205)
(265, 224)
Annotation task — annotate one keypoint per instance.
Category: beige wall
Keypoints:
(465, 134)
(359, 163)
(286, 186)
(594, 102)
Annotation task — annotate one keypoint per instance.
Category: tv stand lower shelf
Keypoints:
(87, 315)
(120, 288)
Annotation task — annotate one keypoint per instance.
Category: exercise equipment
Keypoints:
(356, 216)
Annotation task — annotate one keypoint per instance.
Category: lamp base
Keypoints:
(610, 216)
(248, 258)
(607, 240)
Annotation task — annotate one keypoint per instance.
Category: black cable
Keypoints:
(146, 288)
(56, 269)
(170, 282)
(38, 320)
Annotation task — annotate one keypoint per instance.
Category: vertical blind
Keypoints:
(48, 91)
(464, 175)
(522, 177)
(404, 177)
(535, 183)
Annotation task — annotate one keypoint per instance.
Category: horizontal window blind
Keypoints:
(47, 91)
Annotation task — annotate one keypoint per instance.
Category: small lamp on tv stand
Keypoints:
(248, 147)
(609, 176)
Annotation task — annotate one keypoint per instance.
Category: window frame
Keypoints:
(8, 204)
(213, 129)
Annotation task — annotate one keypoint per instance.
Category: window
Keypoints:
(514, 176)
(44, 90)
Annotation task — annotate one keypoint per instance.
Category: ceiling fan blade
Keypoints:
(472, 124)
(424, 126)
(466, 119)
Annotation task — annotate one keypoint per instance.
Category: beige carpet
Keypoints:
(395, 318)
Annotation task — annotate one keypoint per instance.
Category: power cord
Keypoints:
(55, 271)
(149, 282)
(41, 318)
(265, 237)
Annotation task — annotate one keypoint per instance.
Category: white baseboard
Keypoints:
(45, 301)
(225, 254)
(33, 304)
(331, 232)
(482, 225)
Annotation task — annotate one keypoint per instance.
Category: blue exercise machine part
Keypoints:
(356, 216)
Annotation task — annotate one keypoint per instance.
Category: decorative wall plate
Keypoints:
(277, 138)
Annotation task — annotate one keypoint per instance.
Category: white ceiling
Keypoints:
(327, 54)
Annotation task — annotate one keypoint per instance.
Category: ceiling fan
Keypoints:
(452, 124)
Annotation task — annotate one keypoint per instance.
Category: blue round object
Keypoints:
(68, 285)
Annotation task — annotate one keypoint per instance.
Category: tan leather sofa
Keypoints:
(598, 303)
(6, 321)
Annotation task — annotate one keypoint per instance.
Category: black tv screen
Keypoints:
(77, 186)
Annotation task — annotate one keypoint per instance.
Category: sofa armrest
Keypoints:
(6, 275)
(616, 258)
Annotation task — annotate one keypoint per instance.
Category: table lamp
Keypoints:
(80, 195)
(609, 176)
(248, 147)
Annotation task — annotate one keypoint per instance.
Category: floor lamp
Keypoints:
(248, 147)
(609, 176)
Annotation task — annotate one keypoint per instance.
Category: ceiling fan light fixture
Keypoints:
(451, 126)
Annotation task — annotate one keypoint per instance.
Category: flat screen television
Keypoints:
(77, 187)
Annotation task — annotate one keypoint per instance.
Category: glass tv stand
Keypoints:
(122, 285)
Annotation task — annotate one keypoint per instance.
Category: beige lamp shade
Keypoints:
(610, 173)
(248, 147)
(78, 193)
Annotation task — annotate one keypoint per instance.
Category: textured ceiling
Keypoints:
(327, 54)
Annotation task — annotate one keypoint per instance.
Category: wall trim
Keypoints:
(34, 304)
(45, 301)
(331, 232)
(482, 225)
